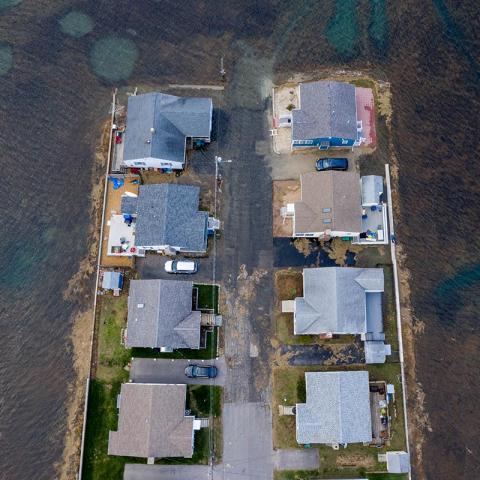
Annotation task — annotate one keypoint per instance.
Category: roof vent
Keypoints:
(148, 141)
(140, 305)
(152, 130)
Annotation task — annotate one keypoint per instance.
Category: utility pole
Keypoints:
(222, 70)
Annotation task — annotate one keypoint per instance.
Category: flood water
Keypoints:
(58, 64)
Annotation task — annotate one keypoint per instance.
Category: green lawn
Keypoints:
(112, 355)
(201, 354)
(207, 298)
(204, 400)
(102, 417)
(111, 372)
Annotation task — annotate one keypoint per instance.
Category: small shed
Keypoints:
(112, 280)
(398, 462)
(372, 190)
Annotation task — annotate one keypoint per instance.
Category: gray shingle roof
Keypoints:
(337, 192)
(172, 118)
(337, 408)
(111, 280)
(328, 109)
(334, 300)
(398, 462)
(152, 422)
(372, 187)
(167, 214)
(160, 315)
(129, 205)
(375, 351)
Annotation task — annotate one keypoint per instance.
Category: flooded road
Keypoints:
(58, 64)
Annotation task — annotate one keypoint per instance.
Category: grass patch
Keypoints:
(102, 417)
(207, 297)
(112, 355)
(201, 354)
(204, 400)
(288, 286)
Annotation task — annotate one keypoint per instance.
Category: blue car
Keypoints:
(325, 164)
(200, 371)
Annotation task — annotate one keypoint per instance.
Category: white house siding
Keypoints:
(151, 162)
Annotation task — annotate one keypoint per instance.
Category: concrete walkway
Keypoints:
(138, 471)
(297, 459)
(239, 465)
(162, 370)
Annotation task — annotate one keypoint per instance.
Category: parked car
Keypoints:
(181, 266)
(325, 164)
(200, 371)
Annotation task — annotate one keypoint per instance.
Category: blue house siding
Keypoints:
(334, 142)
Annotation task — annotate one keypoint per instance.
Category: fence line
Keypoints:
(397, 305)
(97, 281)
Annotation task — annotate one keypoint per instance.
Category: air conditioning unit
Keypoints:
(285, 121)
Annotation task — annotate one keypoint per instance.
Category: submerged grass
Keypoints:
(342, 30)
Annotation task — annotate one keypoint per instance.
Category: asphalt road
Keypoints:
(161, 370)
(242, 262)
(247, 449)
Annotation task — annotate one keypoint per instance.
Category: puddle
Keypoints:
(113, 58)
(76, 24)
(287, 255)
(378, 28)
(342, 30)
(350, 259)
(6, 58)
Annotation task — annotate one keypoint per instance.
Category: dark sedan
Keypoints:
(325, 164)
(200, 371)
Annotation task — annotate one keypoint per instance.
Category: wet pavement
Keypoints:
(244, 268)
(287, 255)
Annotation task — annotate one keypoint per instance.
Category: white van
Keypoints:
(181, 266)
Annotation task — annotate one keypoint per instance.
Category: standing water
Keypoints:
(58, 64)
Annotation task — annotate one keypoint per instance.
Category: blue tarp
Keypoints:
(117, 182)
(112, 280)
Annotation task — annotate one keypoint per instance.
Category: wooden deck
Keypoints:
(113, 206)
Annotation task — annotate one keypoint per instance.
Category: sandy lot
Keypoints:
(284, 191)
